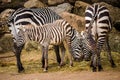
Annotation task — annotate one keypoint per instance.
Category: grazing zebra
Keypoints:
(52, 33)
(98, 19)
(86, 46)
(34, 16)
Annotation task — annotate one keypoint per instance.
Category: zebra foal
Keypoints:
(98, 22)
(53, 33)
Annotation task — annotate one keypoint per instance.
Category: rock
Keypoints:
(71, 1)
(1, 49)
(76, 21)
(115, 3)
(55, 2)
(81, 4)
(80, 7)
(34, 3)
(6, 1)
(5, 14)
(3, 19)
(117, 25)
(114, 11)
(65, 7)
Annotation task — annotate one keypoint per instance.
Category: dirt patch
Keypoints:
(83, 75)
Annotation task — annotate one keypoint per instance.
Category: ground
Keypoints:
(83, 75)
(33, 70)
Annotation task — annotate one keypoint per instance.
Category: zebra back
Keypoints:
(34, 16)
(99, 16)
(55, 33)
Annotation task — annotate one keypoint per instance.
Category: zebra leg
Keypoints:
(62, 54)
(45, 57)
(94, 62)
(109, 53)
(17, 51)
(71, 62)
(56, 47)
(70, 50)
(99, 47)
(100, 68)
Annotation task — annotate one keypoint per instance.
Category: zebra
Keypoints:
(97, 18)
(52, 33)
(34, 16)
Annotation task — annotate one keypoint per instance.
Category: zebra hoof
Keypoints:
(44, 70)
(59, 66)
(94, 69)
(71, 65)
(21, 70)
(113, 66)
(100, 68)
(42, 66)
(62, 64)
(91, 65)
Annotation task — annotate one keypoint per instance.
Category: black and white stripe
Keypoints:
(34, 16)
(97, 17)
(53, 33)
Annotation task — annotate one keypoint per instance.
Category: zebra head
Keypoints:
(88, 45)
(76, 47)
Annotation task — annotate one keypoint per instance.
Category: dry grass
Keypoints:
(32, 63)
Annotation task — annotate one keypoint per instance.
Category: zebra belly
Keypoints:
(56, 42)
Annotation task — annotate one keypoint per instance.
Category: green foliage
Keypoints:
(79, 11)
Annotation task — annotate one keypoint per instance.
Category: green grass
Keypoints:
(32, 63)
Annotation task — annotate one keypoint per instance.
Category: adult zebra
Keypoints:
(52, 33)
(34, 16)
(97, 18)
